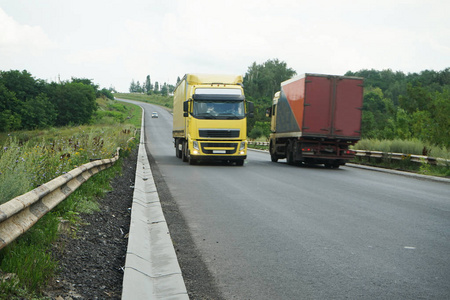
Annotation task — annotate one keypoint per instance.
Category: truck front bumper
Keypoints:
(218, 157)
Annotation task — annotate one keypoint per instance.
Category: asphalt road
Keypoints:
(273, 231)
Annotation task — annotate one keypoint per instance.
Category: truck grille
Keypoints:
(219, 133)
(210, 148)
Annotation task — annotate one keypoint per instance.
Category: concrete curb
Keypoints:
(151, 268)
(403, 173)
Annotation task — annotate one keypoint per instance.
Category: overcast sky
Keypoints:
(113, 42)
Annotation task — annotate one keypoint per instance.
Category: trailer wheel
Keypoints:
(332, 165)
(183, 151)
(289, 153)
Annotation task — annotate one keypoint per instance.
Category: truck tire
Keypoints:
(178, 152)
(192, 161)
(332, 165)
(273, 154)
(289, 154)
(183, 152)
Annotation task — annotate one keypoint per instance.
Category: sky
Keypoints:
(113, 42)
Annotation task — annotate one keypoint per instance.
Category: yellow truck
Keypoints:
(210, 118)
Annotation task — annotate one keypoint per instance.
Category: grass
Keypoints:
(413, 147)
(31, 158)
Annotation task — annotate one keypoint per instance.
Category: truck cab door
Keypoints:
(273, 110)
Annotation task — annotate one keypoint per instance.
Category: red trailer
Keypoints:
(315, 118)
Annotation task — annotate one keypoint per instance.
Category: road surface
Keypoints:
(273, 231)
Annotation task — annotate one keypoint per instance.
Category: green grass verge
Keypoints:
(28, 159)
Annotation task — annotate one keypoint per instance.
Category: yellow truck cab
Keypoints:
(210, 118)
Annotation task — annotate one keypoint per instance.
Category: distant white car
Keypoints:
(154, 114)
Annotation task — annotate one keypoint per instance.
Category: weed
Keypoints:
(32, 158)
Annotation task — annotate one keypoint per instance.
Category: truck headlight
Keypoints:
(195, 145)
(242, 147)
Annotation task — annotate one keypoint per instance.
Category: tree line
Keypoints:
(406, 106)
(27, 103)
(148, 88)
(396, 105)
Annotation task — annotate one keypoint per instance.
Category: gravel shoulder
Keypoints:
(91, 265)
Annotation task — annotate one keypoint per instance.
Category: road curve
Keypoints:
(273, 231)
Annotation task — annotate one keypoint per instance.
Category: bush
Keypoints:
(255, 133)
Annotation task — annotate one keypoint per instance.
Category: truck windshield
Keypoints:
(204, 109)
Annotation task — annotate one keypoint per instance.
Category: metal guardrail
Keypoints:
(389, 155)
(22, 212)
(402, 156)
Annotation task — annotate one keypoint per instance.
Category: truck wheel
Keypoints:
(273, 154)
(289, 154)
(177, 149)
(192, 161)
(183, 151)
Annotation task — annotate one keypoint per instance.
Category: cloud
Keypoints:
(16, 37)
(94, 56)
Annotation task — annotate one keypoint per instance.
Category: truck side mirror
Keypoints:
(186, 106)
(250, 109)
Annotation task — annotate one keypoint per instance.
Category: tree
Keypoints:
(261, 82)
(22, 84)
(86, 82)
(164, 90)
(440, 112)
(156, 89)
(132, 88)
(148, 85)
(106, 93)
(416, 98)
(38, 112)
(138, 87)
(10, 108)
(75, 102)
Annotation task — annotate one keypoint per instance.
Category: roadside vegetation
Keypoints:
(166, 101)
(29, 158)
(402, 113)
(408, 147)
